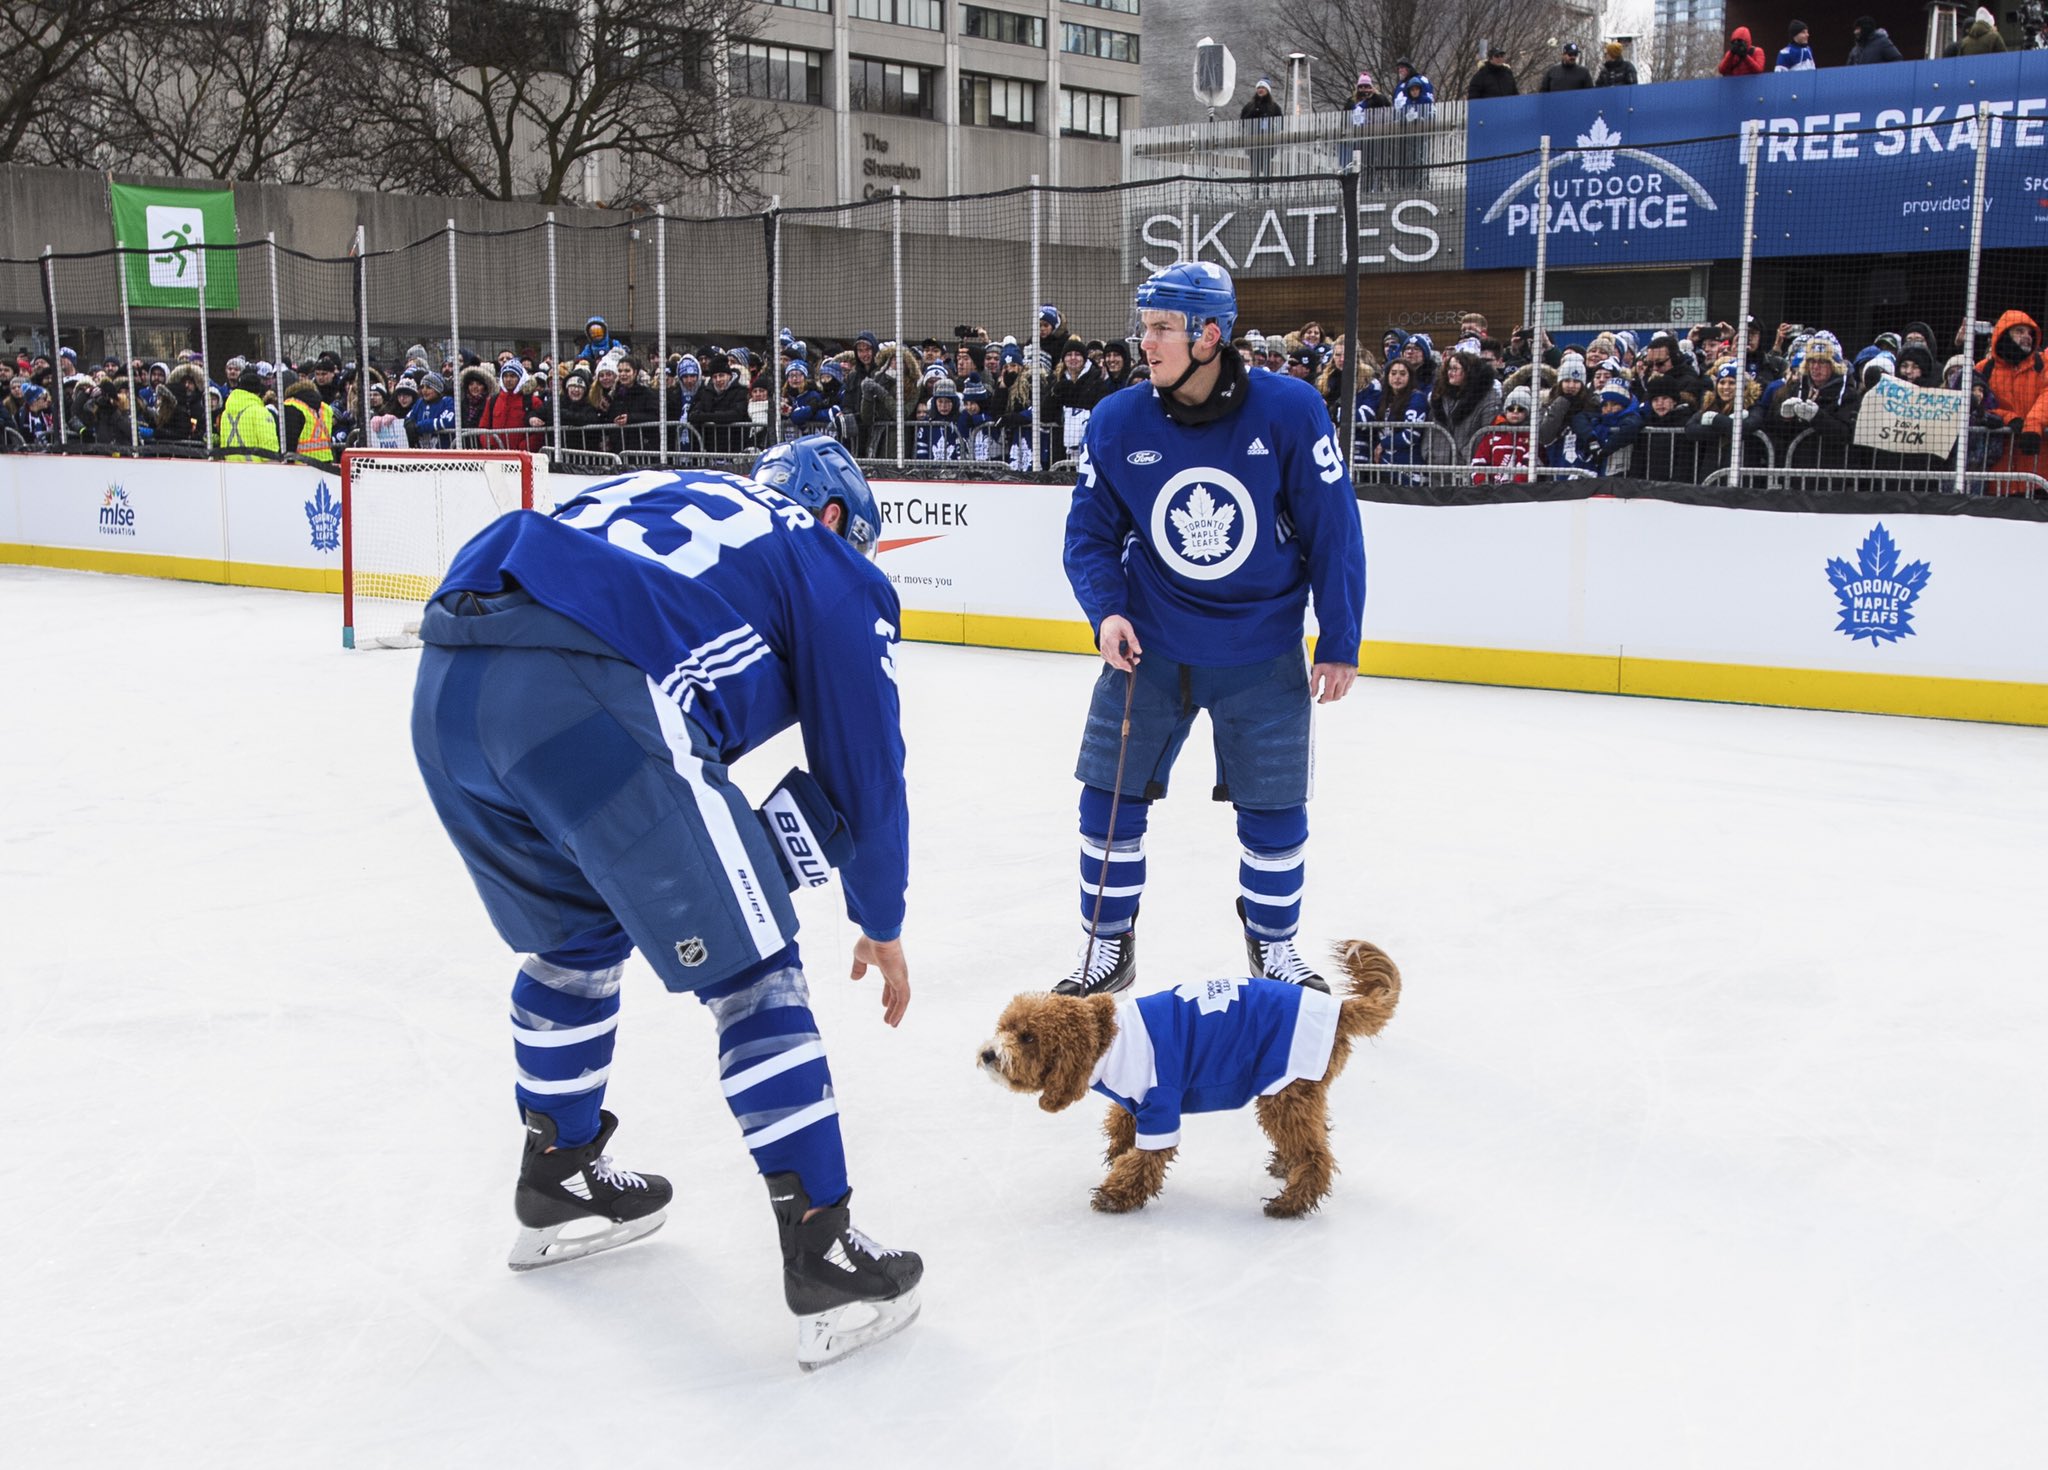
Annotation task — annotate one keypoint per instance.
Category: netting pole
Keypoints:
(205, 359)
(1970, 304)
(554, 339)
(1539, 338)
(1347, 391)
(902, 365)
(62, 397)
(1037, 368)
(128, 362)
(454, 337)
(661, 375)
(772, 364)
(1750, 139)
(276, 341)
(362, 283)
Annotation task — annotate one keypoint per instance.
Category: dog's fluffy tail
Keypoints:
(1374, 991)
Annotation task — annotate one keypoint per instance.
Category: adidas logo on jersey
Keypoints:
(1258, 446)
(837, 1257)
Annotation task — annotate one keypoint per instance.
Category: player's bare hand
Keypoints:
(885, 955)
(1118, 641)
(1329, 683)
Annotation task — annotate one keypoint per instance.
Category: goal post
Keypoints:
(404, 515)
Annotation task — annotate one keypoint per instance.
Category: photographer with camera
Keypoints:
(1741, 59)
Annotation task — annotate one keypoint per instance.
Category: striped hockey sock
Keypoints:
(1269, 870)
(1125, 857)
(773, 1071)
(565, 1020)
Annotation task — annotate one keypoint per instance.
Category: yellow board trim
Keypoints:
(1988, 700)
(174, 568)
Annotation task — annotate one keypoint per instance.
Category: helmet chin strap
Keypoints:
(1195, 364)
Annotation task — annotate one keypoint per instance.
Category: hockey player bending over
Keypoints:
(1211, 503)
(586, 680)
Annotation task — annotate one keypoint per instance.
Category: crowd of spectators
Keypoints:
(1662, 406)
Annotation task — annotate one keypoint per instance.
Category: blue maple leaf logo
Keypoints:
(323, 515)
(1877, 594)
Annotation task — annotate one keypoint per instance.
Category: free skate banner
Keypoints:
(1853, 160)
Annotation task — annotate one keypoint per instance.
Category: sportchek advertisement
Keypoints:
(170, 224)
(1851, 160)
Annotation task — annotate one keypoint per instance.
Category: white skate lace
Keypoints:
(606, 1172)
(1098, 958)
(1282, 963)
(873, 1248)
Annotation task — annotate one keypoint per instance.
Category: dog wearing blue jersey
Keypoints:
(1208, 1046)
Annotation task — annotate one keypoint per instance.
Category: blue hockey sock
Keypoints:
(1269, 871)
(565, 1019)
(772, 1068)
(1124, 853)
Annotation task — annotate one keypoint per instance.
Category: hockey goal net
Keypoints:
(404, 515)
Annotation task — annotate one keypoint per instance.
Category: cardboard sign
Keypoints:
(1904, 418)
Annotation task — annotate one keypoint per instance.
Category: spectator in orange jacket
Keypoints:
(2017, 377)
(1742, 58)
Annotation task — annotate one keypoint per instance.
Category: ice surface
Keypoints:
(1710, 1132)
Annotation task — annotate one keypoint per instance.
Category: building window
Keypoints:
(1098, 41)
(998, 102)
(1085, 114)
(926, 15)
(888, 86)
(779, 73)
(822, 6)
(1124, 7)
(1002, 25)
(511, 37)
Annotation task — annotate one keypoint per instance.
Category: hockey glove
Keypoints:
(2030, 443)
(811, 838)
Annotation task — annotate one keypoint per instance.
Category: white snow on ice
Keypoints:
(1710, 1131)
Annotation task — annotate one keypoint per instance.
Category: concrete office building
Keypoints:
(945, 96)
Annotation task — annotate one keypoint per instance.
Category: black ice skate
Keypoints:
(847, 1292)
(1108, 963)
(576, 1202)
(1278, 959)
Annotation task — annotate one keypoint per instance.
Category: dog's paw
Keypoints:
(1274, 1167)
(1110, 1203)
(1280, 1207)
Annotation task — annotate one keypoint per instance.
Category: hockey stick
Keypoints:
(1116, 796)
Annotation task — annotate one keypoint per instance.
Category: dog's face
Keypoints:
(1049, 1044)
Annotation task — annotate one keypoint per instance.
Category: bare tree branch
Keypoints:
(47, 43)
(1445, 40)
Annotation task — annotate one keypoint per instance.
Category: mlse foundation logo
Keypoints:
(117, 512)
(1876, 593)
(1616, 189)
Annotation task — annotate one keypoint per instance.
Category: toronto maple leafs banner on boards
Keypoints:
(1852, 160)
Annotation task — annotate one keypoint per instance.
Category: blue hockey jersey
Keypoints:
(1210, 538)
(731, 598)
(1210, 1046)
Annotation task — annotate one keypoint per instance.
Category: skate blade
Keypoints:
(824, 1338)
(539, 1246)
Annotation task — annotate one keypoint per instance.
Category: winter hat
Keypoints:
(511, 368)
(1265, 84)
(1049, 316)
(1613, 50)
(944, 388)
(1615, 393)
(1571, 368)
(689, 367)
(67, 352)
(1610, 365)
(417, 353)
(975, 392)
(434, 381)
(1725, 370)
(1985, 15)
(596, 321)
(935, 371)
(1917, 353)
(1662, 386)
(405, 385)
(1012, 353)
(1890, 342)
(830, 368)
(1792, 31)
(797, 368)
(1119, 347)
(1073, 345)
(1520, 398)
(1880, 364)
(1365, 79)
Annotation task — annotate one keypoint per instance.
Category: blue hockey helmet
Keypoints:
(816, 471)
(1199, 289)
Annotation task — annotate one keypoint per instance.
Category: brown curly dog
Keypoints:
(1059, 1046)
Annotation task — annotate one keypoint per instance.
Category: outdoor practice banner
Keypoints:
(168, 223)
(1905, 418)
(1853, 160)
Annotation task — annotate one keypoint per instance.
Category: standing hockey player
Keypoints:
(587, 679)
(1211, 503)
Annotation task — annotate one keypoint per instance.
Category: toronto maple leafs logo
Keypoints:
(1210, 995)
(1204, 522)
(323, 514)
(1599, 143)
(1877, 594)
(1204, 526)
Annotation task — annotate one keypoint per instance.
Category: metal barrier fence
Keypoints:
(946, 286)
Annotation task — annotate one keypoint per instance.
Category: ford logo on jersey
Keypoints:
(1143, 456)
(1204, 523)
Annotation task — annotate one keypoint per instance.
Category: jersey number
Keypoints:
(709, 535)
(1331, 458)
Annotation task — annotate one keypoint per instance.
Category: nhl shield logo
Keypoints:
(691, 952)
